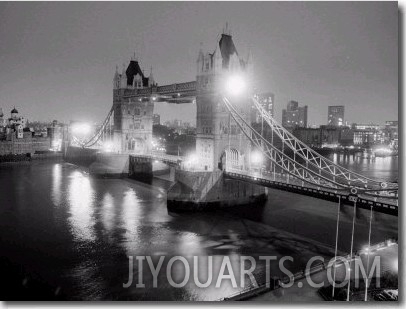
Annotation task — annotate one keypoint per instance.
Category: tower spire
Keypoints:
(226, 30)
(151, 80)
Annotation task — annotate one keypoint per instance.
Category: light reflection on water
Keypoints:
(94, 224)
(379, 168)
(107, 212)
(81, 202)
(56, 184)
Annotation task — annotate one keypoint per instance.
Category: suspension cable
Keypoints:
(312, 156)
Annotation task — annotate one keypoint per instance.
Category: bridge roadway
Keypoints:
(163, 157)
(292, 184)
(288, 183)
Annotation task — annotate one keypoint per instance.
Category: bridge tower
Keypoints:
(218, 135)
(132, 115)
(219, 139)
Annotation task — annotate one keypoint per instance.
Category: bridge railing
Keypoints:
(285, 178)
(180, 87)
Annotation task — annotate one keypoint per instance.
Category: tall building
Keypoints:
(335, 116)
(267, 101)
(294, 116)
(156, 119)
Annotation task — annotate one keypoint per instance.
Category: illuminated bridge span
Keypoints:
(388, 205)
(162, 157)
(317, 177)
(226, 143)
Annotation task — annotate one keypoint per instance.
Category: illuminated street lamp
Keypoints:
(235, 85)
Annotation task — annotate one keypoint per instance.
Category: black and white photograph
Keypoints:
(200, 152)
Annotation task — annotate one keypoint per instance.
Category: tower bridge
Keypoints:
(233, 163)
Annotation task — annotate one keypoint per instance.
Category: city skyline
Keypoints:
(309, 55)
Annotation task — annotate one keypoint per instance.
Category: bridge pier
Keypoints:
(140, 169)
(201, 191)
(110, 165)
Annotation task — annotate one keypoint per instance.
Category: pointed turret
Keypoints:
(123, 79)
(227, 49)
(116, 79)
(151, 80)
(249, 63)
(200, 59)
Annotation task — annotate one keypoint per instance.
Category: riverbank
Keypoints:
(27, 158)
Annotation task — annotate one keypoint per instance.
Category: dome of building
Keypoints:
(14, 111)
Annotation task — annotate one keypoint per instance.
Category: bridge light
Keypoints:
(235, 85)
(256, 157)
(191, 161)
(81, 129)
(108, 146)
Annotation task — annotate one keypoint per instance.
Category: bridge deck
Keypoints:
(169, 159)
(283, 182)
(279, 181)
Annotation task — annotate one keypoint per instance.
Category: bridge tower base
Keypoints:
(110, 165)
(204, 191)
(140, 169)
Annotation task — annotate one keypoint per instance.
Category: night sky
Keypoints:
(57, 60)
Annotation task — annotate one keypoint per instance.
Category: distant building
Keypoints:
(368, 134)
(267, 101)
(156, 119)
(325, 136)
(336, 116)
(16, 138)
(55, 134)
(390, 133)
(294, 116)
(370, 126)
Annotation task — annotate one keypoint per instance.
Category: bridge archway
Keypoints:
(136, 145)
(232, 157)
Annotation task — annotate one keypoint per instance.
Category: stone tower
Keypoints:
(132, 115)
(217, 133)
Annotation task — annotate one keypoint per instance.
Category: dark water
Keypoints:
(65, 235)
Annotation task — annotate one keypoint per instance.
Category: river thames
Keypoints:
(67, 235)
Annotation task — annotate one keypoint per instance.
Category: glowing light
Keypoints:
(383, 150)
(192, 158)
(81, 129)
(235, 85)
(256, 157)
(191, 161)
(108, 146)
